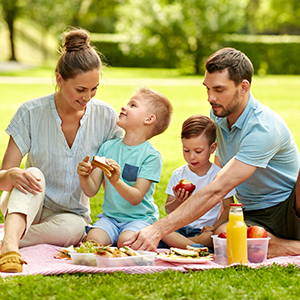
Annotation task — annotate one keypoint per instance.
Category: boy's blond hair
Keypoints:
(160, 106)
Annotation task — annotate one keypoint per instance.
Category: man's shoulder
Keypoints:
(266, 118)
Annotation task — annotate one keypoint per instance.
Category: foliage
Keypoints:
(183, 31)
(99, 16)
(11, 10)
(159, 33)
(52, 16)
(274, 18)
(268, 53)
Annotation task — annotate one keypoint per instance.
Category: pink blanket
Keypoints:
(40, 259)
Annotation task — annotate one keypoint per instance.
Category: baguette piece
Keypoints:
(190, 251)
(197, 249)
(99, 162)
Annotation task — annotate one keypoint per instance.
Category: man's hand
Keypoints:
(146, 239)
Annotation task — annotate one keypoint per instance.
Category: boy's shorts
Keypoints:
(114, 228)
(281, 220)
(189, 231)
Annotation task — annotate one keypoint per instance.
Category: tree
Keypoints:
(10, 12)
(284, 19)
(274, 17)
(251, 15)
(99, 16)
(184, 30)
(52, 16)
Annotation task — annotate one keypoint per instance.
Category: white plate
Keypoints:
(201, 260)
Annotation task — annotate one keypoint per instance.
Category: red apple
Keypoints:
(256, 255)
(185, 185)
(222, 235)
(256, 232)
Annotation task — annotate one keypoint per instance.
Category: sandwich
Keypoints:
(100, 162)
(108, 251)
(190, 252)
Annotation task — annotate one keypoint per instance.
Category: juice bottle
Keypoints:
(236, 235)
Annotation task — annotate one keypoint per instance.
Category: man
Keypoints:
(259, 158)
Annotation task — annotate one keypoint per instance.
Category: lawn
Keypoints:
(188, 97)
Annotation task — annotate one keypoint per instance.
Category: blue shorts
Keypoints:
(185, 231)
(189, 231)
(114, 228)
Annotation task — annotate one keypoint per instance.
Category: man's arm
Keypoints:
(225, 213)
(231, 175)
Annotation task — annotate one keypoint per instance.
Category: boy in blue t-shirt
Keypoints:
(128, 202)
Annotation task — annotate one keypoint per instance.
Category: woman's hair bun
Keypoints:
(76, 39)
(77, 55)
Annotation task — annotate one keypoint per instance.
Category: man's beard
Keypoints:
(234, 103)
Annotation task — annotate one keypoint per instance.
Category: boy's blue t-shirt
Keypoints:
(141, 161)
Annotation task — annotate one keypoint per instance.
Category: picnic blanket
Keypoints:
(40, 259)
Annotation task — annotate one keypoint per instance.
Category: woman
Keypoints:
(44, 203)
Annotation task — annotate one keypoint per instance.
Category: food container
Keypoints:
(86, 259)
(220, 250)
(145, 259)
(257, 249)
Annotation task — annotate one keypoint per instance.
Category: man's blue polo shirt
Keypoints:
(260, 138)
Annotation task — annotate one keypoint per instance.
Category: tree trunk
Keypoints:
(11, 38)
(10, 12)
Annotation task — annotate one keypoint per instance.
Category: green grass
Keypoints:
(188, 96)
(240, 283)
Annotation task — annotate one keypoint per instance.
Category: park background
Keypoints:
(162, 44)
(177, 34)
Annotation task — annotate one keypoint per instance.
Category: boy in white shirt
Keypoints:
(198, 136)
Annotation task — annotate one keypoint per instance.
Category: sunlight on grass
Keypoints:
(281, 93)
(187, 95)
(47, 70)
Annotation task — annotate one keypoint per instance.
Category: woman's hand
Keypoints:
(24, 181)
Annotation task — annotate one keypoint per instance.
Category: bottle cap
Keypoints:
(235, 204)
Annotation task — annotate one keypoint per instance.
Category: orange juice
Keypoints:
(236, 235)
